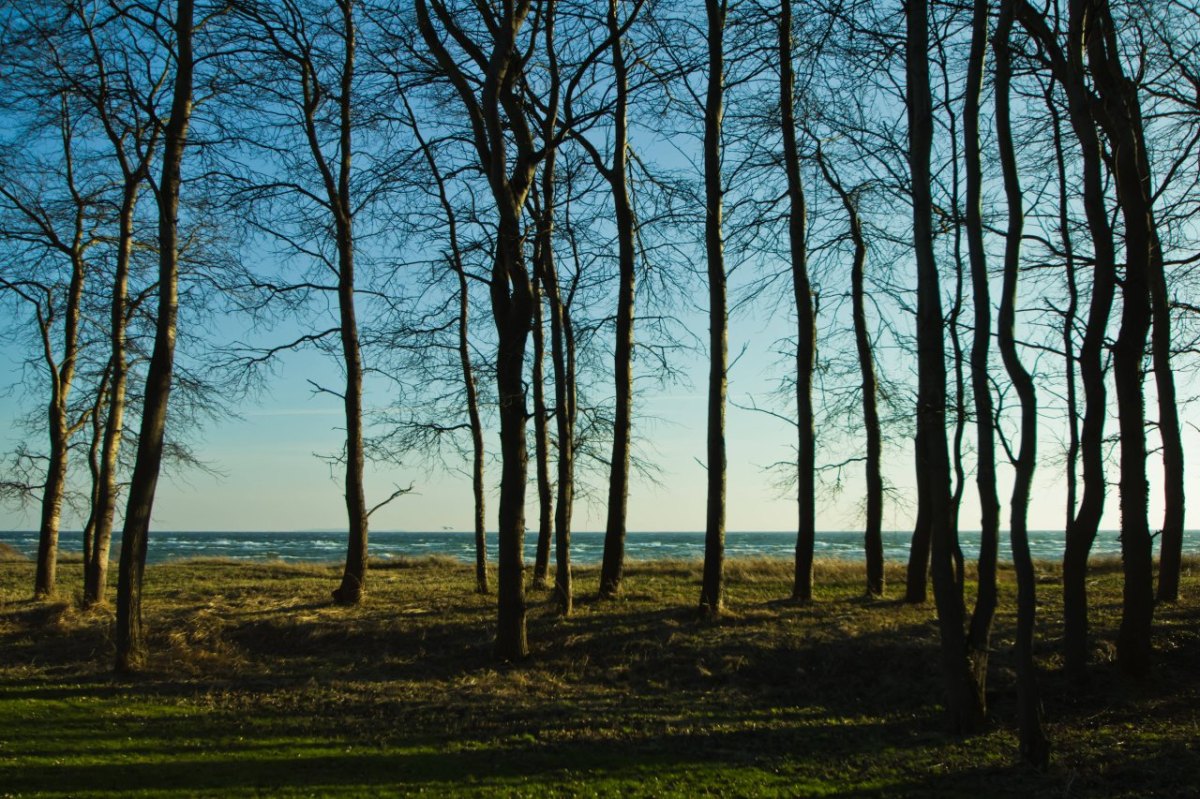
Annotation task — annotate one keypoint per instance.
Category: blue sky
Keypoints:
(266, 476)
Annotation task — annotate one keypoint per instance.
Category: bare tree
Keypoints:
(470, 391)
(873, 533)
(55, 305)
(806, 344)
(487, 83)
(615, 171)
(541, 433)
(130, 637)
(304, 95)
(1068, 68)
(963, 702)
(133, 140)
(1034, 746)
(1119, 114)
(979, 635)
(712, 586)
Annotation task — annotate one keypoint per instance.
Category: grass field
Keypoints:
(257, 685)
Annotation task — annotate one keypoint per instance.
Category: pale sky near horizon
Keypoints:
(269, 478)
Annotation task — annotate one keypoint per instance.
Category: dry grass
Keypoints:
(839, 696)
(10, 553)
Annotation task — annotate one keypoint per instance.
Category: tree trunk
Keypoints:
(62, 375)
(806, 333)
(562, 353)
(712, 587)
(562, 348)
(496, 114)
(130, 636)
(1069, 313)
(563, 590)
(464, 359)
(52, 497)
(95, 583)
(873, 536)
(541, 565)
(963, 703)
(613, 565)
(916, 577)
(354, 575)
(1081, 533)
(477, 451)
(96, 440)
(1171, 537)
(1035, 749)
(512, 308)
(1120, 116)
(979, 636)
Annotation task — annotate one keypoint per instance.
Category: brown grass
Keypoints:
(844, 690)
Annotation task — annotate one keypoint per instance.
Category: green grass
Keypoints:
(258, 685)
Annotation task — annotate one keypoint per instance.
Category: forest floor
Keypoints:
(258, 685)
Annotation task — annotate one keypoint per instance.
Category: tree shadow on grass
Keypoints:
(261, 690)
(172, 756)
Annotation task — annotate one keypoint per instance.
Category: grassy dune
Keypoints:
(258, 685)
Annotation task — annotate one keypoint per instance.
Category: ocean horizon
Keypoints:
(587, 547)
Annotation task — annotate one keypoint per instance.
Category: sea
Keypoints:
(328, 546)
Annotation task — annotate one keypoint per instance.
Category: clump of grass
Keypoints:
(447, 562)
(198, 645)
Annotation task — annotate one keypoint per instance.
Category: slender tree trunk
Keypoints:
(52, 497)
(61, 369)
(979, 636)
(954, 327)
(712, 587)
(916, 577)
(1081, 533)
(563, 589)
(130, 636)
(963, 701)
(95, 583)
(541, 566)
(613, 565)
(1121, 117)
(1035, 749)
(477, 451)
(62, 375)
(958, 362)
(806, 332)
(562, 345)
(1069, 313)
(464, 360)
(873, 536)
(1171, 537)
(96, 440)
(562, 353)
(354, 575)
